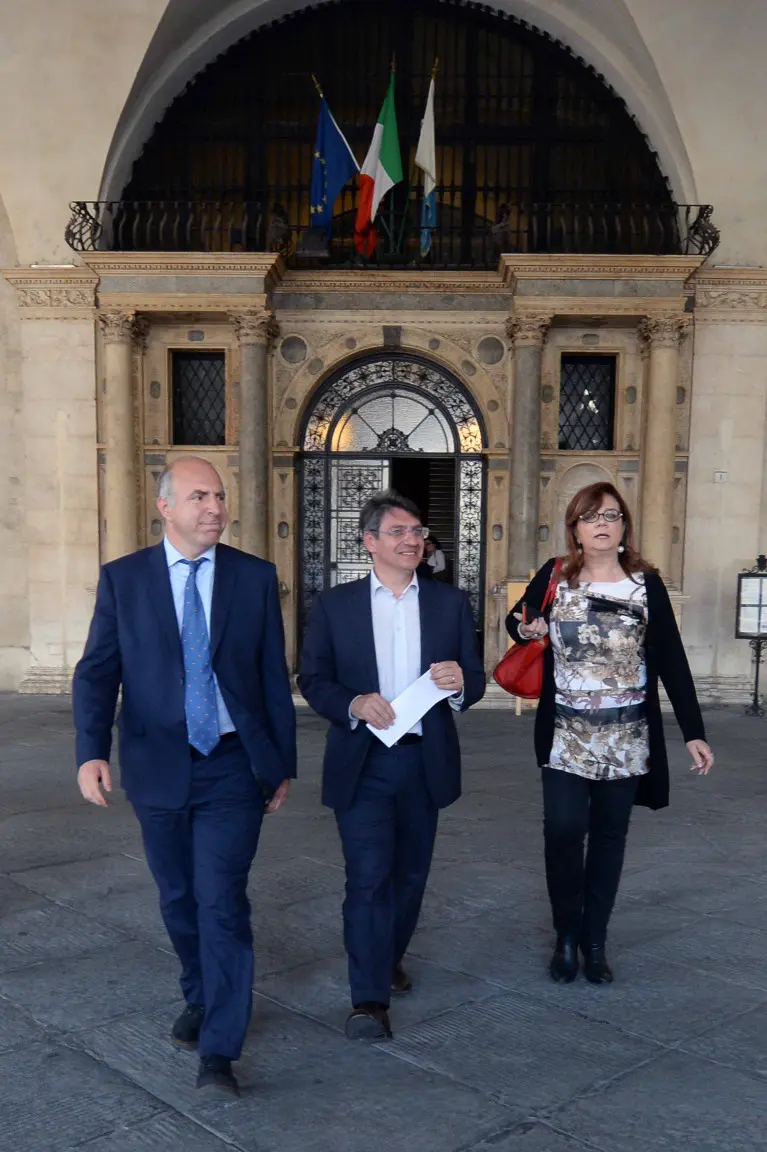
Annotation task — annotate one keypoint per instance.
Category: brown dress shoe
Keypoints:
(401, 983)
(368, 1022)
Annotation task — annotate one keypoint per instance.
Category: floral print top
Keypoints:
(598, 640)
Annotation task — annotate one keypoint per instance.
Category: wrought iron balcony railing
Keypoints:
(459, 240)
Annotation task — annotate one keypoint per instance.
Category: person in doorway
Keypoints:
(191, 631)
(435, 559)
(599, 730)
(366, 642)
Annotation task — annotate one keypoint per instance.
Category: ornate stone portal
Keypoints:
(282, 338)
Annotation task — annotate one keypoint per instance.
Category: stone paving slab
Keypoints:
(53, 1098)
(86, 991)
(678, 1103)
(168, 1132)
(488, 1054)
(488, 1046)
(740, 1043)
(321, 991)
(50, 932)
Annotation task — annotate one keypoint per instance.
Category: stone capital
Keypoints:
(258, 327)
(117, 327)
(663, 331)
(527, 331)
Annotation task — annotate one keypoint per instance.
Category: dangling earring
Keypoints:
(580, 546)
(621, 548)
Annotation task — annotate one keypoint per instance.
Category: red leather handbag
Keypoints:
(520, 672)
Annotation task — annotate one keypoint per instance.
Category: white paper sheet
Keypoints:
(410, 706)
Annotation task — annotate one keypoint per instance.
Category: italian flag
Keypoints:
(380, 172)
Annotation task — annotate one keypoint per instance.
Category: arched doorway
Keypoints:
(397, 421)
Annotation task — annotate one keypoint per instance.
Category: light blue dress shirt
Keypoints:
(179, 574)
(397, 637)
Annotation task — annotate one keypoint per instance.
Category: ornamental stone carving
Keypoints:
(259, 327)
(663, 331)
(721, 298)
(527, 331)
(76, 298)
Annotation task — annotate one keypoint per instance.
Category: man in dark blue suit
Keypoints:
(366, 642)
(191, 630)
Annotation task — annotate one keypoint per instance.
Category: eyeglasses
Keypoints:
(610, 516)
(400, 533)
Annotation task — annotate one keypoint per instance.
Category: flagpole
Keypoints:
(317, 86)
(412, 170)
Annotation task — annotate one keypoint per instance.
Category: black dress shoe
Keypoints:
(401, 983)
(564, 963)
(185, 1033)
(215, 1077)
(368, 1021)
(595, 966)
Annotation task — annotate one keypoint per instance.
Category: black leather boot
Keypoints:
(564, 963)
(595, 966)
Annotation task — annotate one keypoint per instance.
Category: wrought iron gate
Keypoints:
(387, 405)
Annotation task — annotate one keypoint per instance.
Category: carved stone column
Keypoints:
(662, 335)
(120, 512)
(527, 334)
(256, 332)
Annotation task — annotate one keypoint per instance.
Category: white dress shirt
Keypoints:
(397, 637)
(179, 574)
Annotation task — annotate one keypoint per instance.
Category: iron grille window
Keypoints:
(199, 397)
(587, 403)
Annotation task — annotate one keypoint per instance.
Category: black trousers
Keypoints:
(582, 890)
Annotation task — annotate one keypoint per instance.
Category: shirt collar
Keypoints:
(173, 556)
(376, 585)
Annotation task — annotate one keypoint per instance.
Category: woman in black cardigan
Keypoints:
(599, 730)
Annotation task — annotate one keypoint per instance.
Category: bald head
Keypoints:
(192, 502)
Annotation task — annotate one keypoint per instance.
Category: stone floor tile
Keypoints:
(661, 1001)
(321, 991)
(490, 1046)
(49, 931)
(86, 991)
(677, 1103)
(739, 1043)
(54, 1098)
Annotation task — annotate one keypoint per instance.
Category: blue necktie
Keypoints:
(200, 687)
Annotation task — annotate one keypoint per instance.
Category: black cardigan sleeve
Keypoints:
(670, 659)
(535, 593)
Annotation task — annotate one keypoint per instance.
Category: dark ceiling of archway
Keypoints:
(519, 120)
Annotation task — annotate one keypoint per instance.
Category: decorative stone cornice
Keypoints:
(560, 267)
(368, 280)
(527, 330)
(258, 327)
(265, 264)
(54, 293)
(663, 331)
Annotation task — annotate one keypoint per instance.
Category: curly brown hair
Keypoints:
(590, 499)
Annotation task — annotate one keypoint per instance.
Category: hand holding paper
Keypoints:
(410, 706)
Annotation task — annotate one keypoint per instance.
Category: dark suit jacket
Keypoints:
(134, 643)
(339, 662)
(666, 660)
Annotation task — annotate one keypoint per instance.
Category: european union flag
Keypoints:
(333, 165)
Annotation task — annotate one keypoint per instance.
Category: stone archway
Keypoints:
(604, 35)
